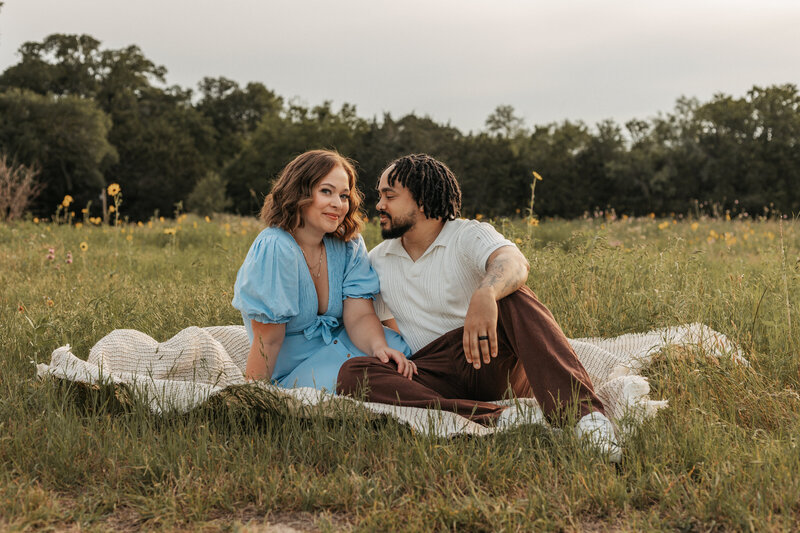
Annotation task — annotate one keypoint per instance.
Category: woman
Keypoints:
(306, 285)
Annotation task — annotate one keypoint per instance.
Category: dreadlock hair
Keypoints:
(432, 184)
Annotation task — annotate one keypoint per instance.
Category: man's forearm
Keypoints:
(505, 273)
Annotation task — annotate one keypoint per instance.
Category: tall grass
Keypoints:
(724, 455)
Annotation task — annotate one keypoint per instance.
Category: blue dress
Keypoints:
(274, 286)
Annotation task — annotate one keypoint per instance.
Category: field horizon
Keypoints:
(722, 456)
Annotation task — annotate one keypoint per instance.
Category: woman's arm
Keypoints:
(366, 332)
(267, 341)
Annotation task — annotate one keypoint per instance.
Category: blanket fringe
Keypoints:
(198, 363)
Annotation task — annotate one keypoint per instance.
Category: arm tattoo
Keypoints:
(500, 276)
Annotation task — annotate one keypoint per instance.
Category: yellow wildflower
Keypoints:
(149, 223)
(129, 237)
(140, 224)
(78, 225)
(111, 209)
(84, 210)
(194, 225)
(113, 189)
(35, 220)
(67, 200)
(694, 226)
(663, 225)
(533, 222)
(518, 240)
(84, 246)
(478, 216)
(537, 176)
(50, 302)
(652, 215)
(161, 219)
(208, 219)
(170, 231)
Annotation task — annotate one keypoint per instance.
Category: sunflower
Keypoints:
(113, 189)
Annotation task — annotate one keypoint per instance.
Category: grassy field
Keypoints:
(723, 456)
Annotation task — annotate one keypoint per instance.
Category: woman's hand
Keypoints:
(404, 366)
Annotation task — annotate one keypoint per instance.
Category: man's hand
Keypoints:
(404, 366)
(480, 327)
(506, 271)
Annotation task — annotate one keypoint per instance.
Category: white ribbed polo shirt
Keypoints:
(430, 296)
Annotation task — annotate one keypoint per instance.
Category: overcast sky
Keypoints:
(454, 60)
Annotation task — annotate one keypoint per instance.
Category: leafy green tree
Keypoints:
(278, 139)
(504, 122)
(61, 64)
(164, 145)
(553, 151)
(494, 179)
(66, 137)
(234, 112)
(209, 196)
(774, 172)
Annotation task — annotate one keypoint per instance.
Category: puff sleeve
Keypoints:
(360, 280)
(267, 287)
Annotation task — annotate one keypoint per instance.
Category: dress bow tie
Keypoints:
(322, 326)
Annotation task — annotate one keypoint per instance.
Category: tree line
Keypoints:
(87, 116)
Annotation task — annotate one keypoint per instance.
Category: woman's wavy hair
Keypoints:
(291, 192)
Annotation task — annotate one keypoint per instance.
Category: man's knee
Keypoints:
(520, 298)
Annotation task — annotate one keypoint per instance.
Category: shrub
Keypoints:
(208, 195)
(18, 188)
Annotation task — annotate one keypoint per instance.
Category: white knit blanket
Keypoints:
(198, 363)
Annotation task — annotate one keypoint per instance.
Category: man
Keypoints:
(455, 289)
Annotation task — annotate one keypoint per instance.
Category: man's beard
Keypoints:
(396, 230)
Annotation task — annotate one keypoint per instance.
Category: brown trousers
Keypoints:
(534, 359)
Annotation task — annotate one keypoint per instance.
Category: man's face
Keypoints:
(397, 209)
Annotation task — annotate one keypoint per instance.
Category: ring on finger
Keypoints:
(483, 337)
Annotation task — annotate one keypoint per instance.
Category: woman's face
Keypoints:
(330, 200)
